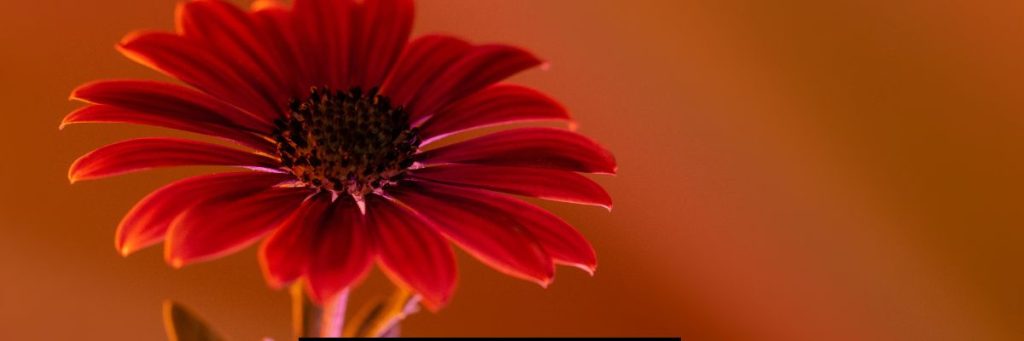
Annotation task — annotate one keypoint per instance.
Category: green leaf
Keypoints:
(183, 325)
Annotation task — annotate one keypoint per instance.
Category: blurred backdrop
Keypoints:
(789, 170)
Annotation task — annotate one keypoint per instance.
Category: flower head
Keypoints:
(332, 111)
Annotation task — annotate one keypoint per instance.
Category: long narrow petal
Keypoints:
(343, 253)
(478, 227)
(306, 32)
(541, 183)
(275, 22)
(412, 252)
(154, 152)
(384, 31)
(498, 104)
(146, 223)
(109, 114)
(228, 33)
(477, 69)
(324, 31)
(557, 238)
(560, 240)
(188, 61)
(259, 5)
(528, 147)
(167, 99)
(286, 254)
(222, 225)
(425, 59)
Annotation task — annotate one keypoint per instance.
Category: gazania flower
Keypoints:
(332, 112)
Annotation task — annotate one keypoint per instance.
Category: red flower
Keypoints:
(332, 108)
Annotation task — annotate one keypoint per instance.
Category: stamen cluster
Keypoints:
(346, 141)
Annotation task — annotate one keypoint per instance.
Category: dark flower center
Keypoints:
(346, 141)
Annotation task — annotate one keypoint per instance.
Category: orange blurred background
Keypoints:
(792, 170)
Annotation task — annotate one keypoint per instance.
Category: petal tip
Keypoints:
(179, 15)
(545, 282)
(176, 262)
(129, 38)
(260, 5)
(273, 282)
(434, 305)
(123, 249)
(268, 276)
(127, 46)
(613, 170)
(172, 258)
(606, 200)
(74, 173)
(76, 93)
(590, 269)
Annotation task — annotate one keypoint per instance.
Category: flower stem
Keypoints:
(311, 320)
(333, 318)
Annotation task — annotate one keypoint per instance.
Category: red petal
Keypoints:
(274, 21)
(558, 239)
(528, 147)
(227, 33)
(477, 69)
(385, 29)
(498, 104)
(412, 252)
(534, 182)
(110, 114)
(190, 62)
(223, 225)
(286, 254)
(423, 60)
(167, 99)
(259, 5)
(343, 253)
(146, 153)
(147, 222)
(323, 29)
(478, 227)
